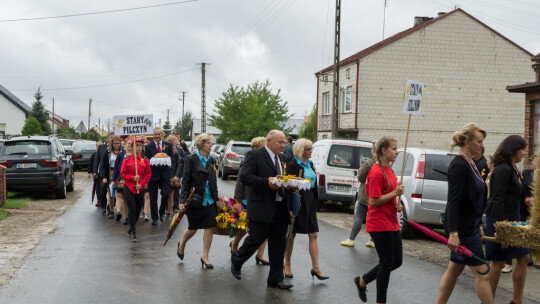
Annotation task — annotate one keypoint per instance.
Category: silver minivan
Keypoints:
(426, 186)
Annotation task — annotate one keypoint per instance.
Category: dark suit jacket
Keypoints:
(481, 165)
(256, 170)
(101, 151)
(506, 195)
(91, 165)
(160, 172)
(196, 175)
(460, 207)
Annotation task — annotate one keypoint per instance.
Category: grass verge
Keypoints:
(16, 200)
(4, 214)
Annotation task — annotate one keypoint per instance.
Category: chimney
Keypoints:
(440, 14)
(536, 66)
(419, 20)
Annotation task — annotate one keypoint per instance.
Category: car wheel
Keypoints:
(71, 186)
(62, 192)
(224, 176)
(407, 231)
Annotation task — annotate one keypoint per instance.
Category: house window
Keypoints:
(348, 73)
(325, 79)
(326, 103)
(346, 105)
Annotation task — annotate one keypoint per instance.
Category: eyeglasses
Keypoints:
(308, 149)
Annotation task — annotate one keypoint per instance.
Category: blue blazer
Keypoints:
(118, 165)
(158, 172)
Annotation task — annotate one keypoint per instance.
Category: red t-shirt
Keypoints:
(382, 217)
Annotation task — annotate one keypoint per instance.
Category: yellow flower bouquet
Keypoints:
(231, 218)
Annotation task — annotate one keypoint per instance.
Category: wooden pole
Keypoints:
(405, 150)
(136, 166)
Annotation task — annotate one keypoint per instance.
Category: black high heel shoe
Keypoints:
(208, 266)
(180, 255)
(315, 274)
(261, 262)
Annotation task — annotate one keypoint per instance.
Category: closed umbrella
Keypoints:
(177, 218)
(461, 249)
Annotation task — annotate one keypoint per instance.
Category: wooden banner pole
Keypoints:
(405, 150)
(136, 166)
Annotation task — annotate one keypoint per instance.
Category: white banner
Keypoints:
(414, 91)
(134, 124)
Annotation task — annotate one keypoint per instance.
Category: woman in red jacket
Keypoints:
(383, 194)
(134, 183)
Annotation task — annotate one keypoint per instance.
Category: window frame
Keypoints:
(326, 103)
(342, 97)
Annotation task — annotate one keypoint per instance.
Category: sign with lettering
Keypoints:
(414, 90)
(133, 124)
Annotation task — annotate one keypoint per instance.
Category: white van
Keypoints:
(337, 162)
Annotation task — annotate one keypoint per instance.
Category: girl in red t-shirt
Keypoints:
(382, 223)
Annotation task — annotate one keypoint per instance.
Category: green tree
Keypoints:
(185, 125)
(167, 127)
(31, 127)
(39, 112)
(66, 132)
(307, 129)
(244, 113)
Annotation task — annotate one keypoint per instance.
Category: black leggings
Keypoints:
(390, 252)
(135, 202)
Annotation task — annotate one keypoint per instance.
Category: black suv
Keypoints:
(37, 163)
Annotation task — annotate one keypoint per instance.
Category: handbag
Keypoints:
(195, 201)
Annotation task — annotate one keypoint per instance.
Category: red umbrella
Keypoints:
(437, 237)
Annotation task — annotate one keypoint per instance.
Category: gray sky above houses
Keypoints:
(138, 61)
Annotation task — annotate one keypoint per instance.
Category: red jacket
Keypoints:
(128, 172)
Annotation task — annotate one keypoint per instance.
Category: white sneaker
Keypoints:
(146, 218)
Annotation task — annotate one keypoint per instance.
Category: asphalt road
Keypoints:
(89, 259)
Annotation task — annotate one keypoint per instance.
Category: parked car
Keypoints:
(37, 163)
(231, 157)
(216, 151)
(192, 148)
(81, 153)
(426, 186)
(337, 162)
(1, 143)
(67, 143)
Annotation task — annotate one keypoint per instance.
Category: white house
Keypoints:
(465, 66)
(13, 113)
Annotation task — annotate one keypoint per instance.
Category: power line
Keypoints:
(98, 13)
(108, 84)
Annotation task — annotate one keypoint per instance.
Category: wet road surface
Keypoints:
(89, 259)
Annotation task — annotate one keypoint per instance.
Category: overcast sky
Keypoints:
(138, 61)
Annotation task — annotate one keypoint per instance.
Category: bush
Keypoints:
(31, 127)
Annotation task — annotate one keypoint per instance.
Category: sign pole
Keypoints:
(136, 166)
(405, 150)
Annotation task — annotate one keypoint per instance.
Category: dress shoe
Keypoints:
(281, 285)
(126, 221)
(236, 272)
(180, 255)
(154, 222)
(207, 265)
(361, 290)
(315, 274)
(111, 215)
(134, 237)
(162, 217)
(261, 261)
(118, 216)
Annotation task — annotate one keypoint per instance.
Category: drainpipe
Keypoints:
(357, 81)
(317, 111)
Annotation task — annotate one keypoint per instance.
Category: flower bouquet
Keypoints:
(296, 184)
(120, 184)
(231, 217)
(175, 183)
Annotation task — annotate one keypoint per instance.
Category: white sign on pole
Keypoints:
(414, 91)
(133, 124)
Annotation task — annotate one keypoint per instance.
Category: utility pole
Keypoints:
(183, 98)
(335, 92)
(203, 99)
(89, 111)
(53, 115)
(99, 126)
(384, 19)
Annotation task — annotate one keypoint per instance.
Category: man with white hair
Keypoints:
(268, 209)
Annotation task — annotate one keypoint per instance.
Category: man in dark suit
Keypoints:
(100, 155)
(161, 175)
(268, 210)
(91, 171)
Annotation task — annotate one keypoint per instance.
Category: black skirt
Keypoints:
(306, 221)
(201, 218)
